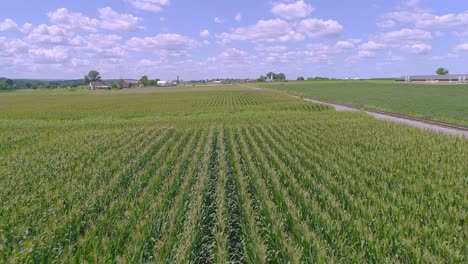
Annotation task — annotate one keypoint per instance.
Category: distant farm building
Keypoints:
(99, 86)
(449, 78)
(163, 83)
(270, 78)
(130, 84)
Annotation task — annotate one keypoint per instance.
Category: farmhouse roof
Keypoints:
(131, 81)
(99, 84)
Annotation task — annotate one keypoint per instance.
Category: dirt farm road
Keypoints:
(388, 117)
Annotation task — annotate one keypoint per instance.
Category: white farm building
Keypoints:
(449, 78)
(163, 83)
(99, 86)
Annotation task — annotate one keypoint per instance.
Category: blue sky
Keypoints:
(64, 39)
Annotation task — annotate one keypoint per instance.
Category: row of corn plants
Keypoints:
(226, 176)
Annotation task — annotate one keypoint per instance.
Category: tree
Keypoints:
(144, 80)
(280, 77)
(442, 71)
(121, 84)
(115, 86)
(28, 85)
(277, 77)
(3, 86)
(261, 79)
(93, 76)
(271, 75)
(300, 78)
(153, 82)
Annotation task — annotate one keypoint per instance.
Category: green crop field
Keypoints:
(447, 103)
(222, 174)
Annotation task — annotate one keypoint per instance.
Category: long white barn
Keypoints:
(451, 78)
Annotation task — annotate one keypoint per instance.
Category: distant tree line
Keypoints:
(145, 81)
(17, 84)
(272, 76)
(95, 76)
(6, 84)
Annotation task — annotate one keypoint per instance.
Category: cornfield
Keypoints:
(223, 175)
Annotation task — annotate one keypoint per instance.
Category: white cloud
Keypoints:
(412, 3)
(371, 45)
(217, 20)
(318, 28)
(339, 47)
(27, 27)
(275, 30)
(205, 33)
(418, 48)
(365, 54)
(55, 55)
(367, 50)
(102, 40)
(238, 17)
(94, 45)
(345, 45)
(110, 53)
(444, 21)
(79, 62)
(407, 40)
(460, 34)
(270, 49)
(439, 34)
(103, 46)
(406, 35)
(446, 57)
(163, 44)
(232, 55)
(424, 19)
(148, 63)
(53, 35)
(63, 18)
(112, 20)
(297, 10)
(149, 5)
(323, 54)
(313, 53)
(11, 48)
(9, 25)
(230, 63)
(462, 47)
(391, 58)
(109, 19)
(405, 17)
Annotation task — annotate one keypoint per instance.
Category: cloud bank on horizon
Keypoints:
(231, 39)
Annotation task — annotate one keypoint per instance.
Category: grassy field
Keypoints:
(438, 102)
(222, 174)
